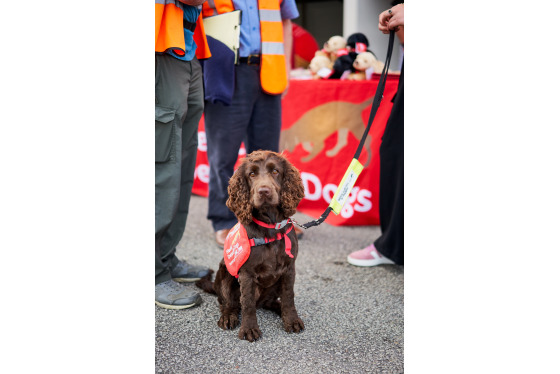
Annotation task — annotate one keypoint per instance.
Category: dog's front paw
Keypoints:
(293, 324)
(228, 321)
(249, 333)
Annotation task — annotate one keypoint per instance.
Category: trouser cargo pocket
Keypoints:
(165, 133)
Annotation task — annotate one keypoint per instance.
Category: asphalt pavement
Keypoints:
(354, 316)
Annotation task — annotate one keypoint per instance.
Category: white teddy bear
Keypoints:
(365, 65)
(320, 67)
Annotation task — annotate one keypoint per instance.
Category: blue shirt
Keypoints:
(250, 38)
(190, 14)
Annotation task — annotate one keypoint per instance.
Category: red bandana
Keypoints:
(237, 246)
(236, 249)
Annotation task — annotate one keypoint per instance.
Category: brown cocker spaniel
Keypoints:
(264, 190)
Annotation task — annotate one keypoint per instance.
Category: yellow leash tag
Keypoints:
(346, 185)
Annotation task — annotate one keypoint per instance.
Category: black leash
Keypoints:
(355, 167)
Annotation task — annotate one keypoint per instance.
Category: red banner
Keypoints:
(322, 124)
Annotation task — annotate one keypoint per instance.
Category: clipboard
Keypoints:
(226, 28)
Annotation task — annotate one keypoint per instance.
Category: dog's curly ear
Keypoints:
(239, 196)
(292, 190)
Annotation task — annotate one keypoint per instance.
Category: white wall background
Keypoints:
(362, 16)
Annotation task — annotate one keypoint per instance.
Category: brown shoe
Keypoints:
(221, 237)
(299, 232)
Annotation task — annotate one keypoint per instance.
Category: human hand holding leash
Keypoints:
(391, 19)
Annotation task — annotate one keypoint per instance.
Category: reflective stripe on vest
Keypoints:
(169, 27)
(274, 77)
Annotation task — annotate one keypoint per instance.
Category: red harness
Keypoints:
(237, 247)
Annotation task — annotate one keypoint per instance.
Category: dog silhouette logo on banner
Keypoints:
(319, 123)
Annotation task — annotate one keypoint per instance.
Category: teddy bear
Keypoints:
(334, 47)
(320, 66)
(365, 61)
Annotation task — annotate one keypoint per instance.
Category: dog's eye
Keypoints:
(252, 174)
(275, 172)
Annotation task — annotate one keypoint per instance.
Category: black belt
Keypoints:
(189, 26)
(251, 60)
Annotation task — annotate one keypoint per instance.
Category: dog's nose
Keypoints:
(264, 191)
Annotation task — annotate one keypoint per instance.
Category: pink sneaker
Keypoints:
(368, 257)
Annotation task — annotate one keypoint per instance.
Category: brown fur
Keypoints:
(268, 187)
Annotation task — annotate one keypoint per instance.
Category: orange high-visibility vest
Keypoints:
(202, 49)
(169, 27)
(170, 33)
(274, 78)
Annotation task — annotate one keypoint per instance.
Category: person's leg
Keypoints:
(391, 208)
(181, 271)
(391, 187)
(188, 149)
(174, 163)
(225, 128)
(266, 123)
(171, 93)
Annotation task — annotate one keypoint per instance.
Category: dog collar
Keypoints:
(261, 241)
(276, 226)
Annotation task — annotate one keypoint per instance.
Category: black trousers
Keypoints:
(391, 185)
